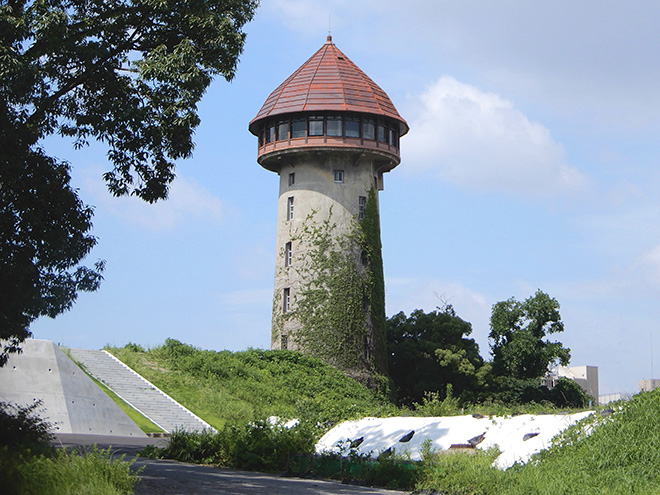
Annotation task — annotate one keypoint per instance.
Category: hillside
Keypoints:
(614, 451)
(224, 386)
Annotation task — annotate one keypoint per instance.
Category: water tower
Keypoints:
(330, 133)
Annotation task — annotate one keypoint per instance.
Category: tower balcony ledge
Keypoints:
(271, 155)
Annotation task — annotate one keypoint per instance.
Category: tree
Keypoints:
(428, 351)
(517, 333)
(128, 73)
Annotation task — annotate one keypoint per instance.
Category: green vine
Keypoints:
(340, 305)
(370, 227)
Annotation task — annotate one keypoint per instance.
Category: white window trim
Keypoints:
(287, 254)
(289, 208)
(362, 206)
(286, 302)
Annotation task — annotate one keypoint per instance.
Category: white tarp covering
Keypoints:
(517, 437)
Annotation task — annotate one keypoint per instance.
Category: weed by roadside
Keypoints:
(30, 465)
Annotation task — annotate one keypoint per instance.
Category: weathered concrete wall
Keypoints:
(315, 193)
(71, 401)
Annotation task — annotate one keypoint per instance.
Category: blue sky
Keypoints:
(531, 163)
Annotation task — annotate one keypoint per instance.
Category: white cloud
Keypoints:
(480, 141)
(187, 201)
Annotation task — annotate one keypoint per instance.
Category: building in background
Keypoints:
(648, 384)
(585, 376)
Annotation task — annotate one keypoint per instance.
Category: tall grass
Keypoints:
(68, 473)
(258, 445)
(29, 465)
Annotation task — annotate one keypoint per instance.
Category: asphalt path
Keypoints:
(163, 477)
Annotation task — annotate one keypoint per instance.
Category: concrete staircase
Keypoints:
(159, 407)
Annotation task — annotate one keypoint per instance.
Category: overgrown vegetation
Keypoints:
(29, 464)
(611, 452)
(329, 306)
(238, 387)
(283, 449)
(237, 392)
(339, 310)
(263, 445)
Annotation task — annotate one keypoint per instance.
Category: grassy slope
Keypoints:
(620, 455)
(243, 386)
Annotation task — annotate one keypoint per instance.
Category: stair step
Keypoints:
(142, 395)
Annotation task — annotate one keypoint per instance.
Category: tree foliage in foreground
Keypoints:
(128, 73)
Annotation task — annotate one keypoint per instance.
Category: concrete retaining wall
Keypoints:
(71, 401)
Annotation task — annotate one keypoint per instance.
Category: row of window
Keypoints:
(362, 205)
(334, 125)
(338, 175)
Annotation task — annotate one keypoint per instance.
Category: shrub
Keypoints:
(22, 430)
(460, 473)
(259, 445)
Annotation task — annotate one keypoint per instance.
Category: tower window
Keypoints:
(298, 128)
(382, 133)
(286, 300)
(352, 126)
(334, 126)
(362, 205)
(287, 254)
(315, 125)
(284, 342)
(270, 134)
(339, 176)
(369, 129)
(292, 178)
(282, 130)
(394, 137)
(289, 208)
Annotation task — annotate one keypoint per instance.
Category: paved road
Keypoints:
(161, 477)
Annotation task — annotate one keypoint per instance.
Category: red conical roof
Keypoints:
(328, 81)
